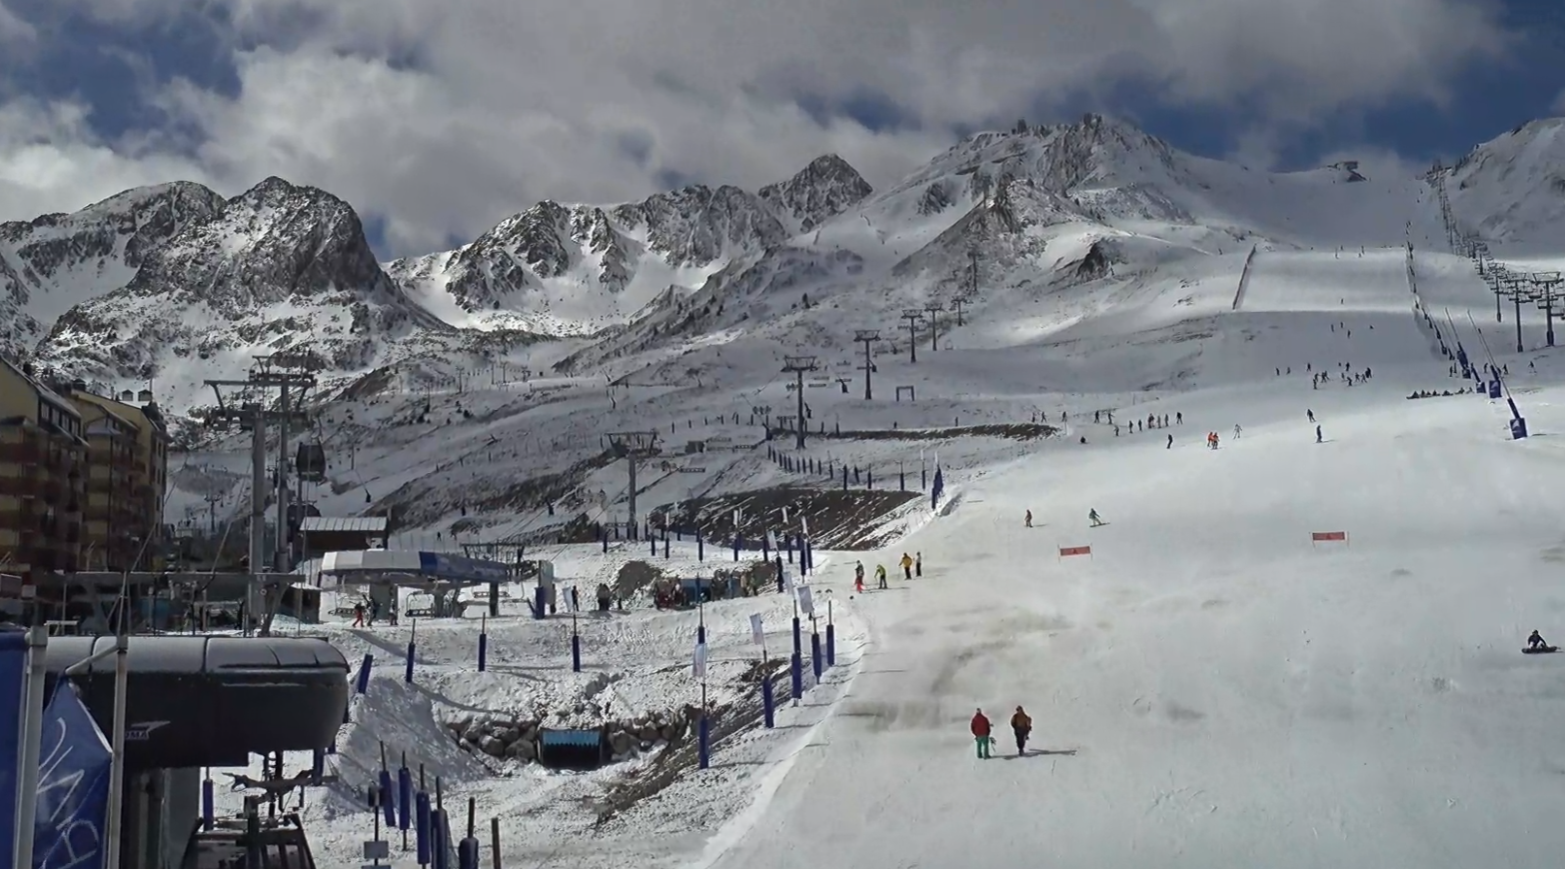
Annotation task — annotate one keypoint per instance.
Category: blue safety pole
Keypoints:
(700, 546)
(388, 797)
(412, 648)
(541, 601)
(483, 643)
(575, 650)
(421, 829)
(404, 801)
(767, 701)
(362, 684)
(798, 637)
(438, 846)
(796, 666)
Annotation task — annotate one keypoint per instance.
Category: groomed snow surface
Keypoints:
(1208, 688)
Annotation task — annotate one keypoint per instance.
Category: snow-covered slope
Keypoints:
(1511, 191)
(1210, 686)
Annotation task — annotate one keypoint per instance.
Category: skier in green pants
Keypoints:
(981, 731)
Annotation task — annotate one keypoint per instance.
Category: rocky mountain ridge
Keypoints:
(175, 283)
(576, 269)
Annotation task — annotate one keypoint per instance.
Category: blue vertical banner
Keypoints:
(13, 684)
(73, 786)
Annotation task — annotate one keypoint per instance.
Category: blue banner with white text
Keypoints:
(13, 684)
(73, 786)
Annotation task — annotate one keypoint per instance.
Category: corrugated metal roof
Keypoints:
(349, 524)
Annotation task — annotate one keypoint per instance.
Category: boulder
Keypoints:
(522, 749)
(621, 742)
(492, 746)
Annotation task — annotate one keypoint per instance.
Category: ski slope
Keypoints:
(1209, 688)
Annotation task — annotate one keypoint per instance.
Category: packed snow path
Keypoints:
(1209, 688)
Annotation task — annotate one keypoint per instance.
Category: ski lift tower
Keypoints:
(632, 446)
(293, 375)
(1544, 284)
(1517, 292)
(799, 366)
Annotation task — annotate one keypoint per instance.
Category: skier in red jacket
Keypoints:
(980, 728)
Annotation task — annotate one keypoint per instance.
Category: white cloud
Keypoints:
(14, 32)
(50, 161)
(490, 105)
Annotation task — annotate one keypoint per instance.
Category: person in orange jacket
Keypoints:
(981, 731)
(907, 566)
(1021, 728)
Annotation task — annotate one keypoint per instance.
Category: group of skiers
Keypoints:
(1345, 374)
(912, 565)
(983, 732)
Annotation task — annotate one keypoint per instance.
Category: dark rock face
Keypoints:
(277, 267)
(49, 264)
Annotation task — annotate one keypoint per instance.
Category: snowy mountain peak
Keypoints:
(56, 261)
(822, 190)
(277, 267)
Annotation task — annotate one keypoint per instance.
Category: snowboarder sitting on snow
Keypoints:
(1021, 727)
(880, 575)
(981, 730)
(907, 566)
(1092, 516)
(1536, 641)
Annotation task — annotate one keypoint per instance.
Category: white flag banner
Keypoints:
(757, 630)
(570, 599)
(804, 522)
(737, 515)
(788, 583)
(771, 537)
(785, 515)
(806, 600)
(700, 661)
